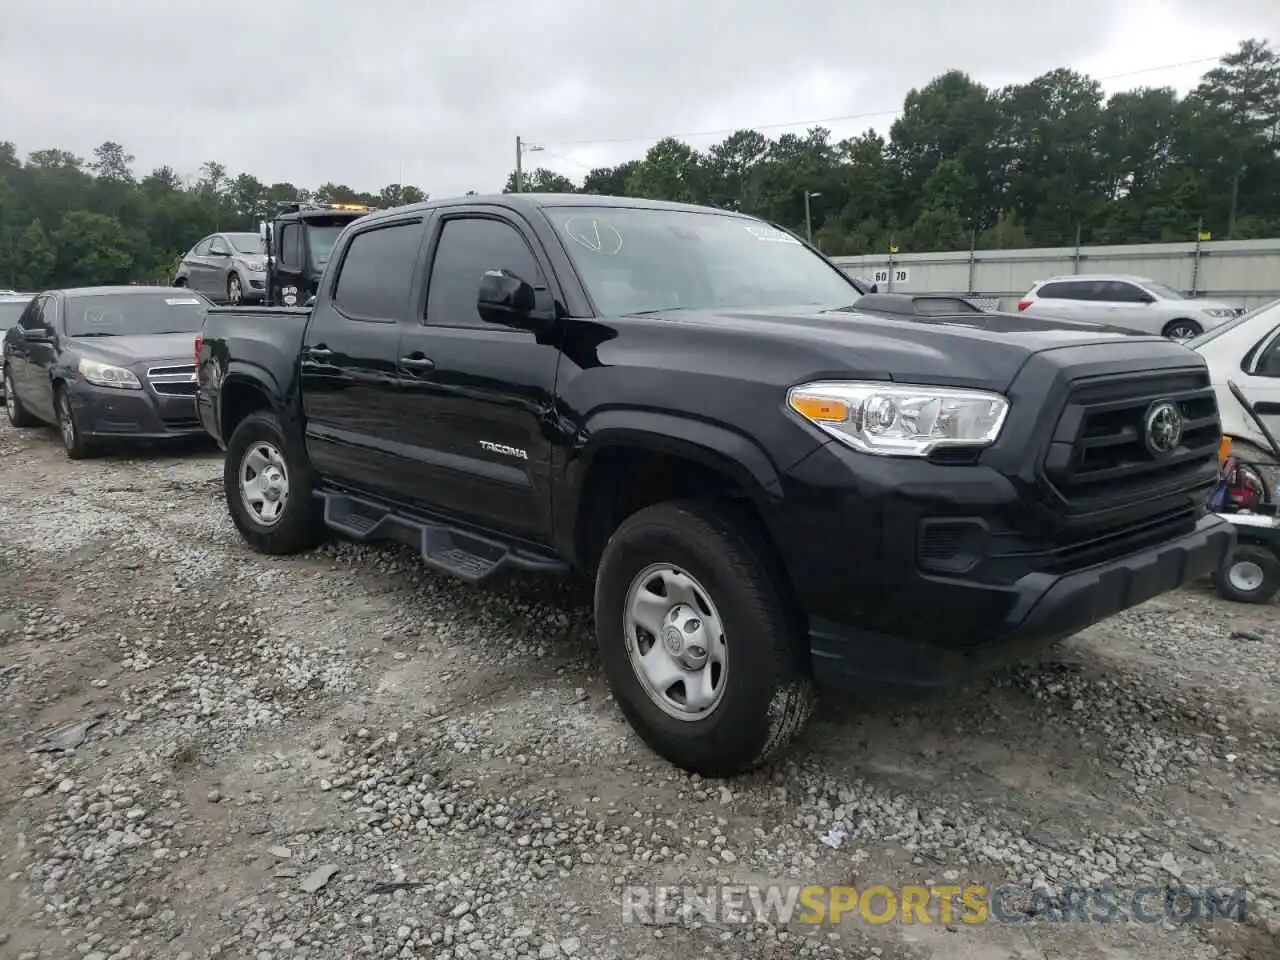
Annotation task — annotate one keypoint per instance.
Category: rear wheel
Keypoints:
(698, 642)
(13, 408)
(269, 488)
(1182, 329)
(1251, 574)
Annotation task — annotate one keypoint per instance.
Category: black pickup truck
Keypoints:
(773, 481)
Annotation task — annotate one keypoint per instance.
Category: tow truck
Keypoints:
(298, 241)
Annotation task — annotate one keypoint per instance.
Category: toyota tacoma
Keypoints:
(773, 483)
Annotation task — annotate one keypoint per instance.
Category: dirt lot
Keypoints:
(209, 753)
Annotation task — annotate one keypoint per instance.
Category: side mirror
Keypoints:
(504, 298)
(262, 229)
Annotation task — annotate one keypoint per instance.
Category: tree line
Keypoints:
(1044, 163)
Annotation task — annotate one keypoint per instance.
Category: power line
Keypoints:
(842, 118)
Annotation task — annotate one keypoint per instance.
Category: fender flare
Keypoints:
(241, 373)
(709, 444)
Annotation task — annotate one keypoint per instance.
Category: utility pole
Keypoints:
(808, 216)
(521, 149)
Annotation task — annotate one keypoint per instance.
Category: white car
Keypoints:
(1132, 303)
(1247, 351)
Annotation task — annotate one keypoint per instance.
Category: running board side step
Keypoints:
(468, 556)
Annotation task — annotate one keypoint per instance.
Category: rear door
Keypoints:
(1259, 381)
(478, 401)
(350, 378)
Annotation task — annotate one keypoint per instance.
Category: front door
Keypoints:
(479, 397)
(39, 345)
(350, 378)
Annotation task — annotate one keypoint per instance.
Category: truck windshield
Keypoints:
(635, 260)
(133, 314)
(321, 238)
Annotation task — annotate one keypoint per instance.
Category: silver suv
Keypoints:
(1133, 303)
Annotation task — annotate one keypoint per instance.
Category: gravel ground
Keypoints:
(209, 753)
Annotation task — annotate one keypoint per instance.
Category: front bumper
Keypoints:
(107, 412)
(850, 538)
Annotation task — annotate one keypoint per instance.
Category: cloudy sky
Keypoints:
(435, 94)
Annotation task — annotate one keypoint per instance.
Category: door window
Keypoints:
(1268, 362)
(201, 249)
(35, 316)
(377, 272)
(219, 246)
(468, 248)
(1117, 291)
(291, 246)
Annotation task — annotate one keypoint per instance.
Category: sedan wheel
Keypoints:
(235, 292)
(76, 447)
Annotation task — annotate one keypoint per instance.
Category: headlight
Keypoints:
(255, 267)
(902, 420)
(1220, 313)
(105, 375)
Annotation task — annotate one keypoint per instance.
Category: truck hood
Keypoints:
(127, 350)
(980, 350)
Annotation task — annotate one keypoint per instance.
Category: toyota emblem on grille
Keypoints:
(1163, 428)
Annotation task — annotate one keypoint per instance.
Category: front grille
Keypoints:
(1099, 448)
(174, 381)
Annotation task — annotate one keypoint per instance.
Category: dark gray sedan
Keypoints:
(226, 268)
(105, 364)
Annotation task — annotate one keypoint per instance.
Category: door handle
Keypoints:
(417, 363)
(319, 351)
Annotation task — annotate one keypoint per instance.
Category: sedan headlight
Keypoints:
(901, 420)
(255, 267)
(106, 375)
(1220, 313)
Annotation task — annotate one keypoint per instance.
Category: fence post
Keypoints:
(1077, 269)
(973, 246)
(893, 248)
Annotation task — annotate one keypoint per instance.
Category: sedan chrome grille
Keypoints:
(173, 381)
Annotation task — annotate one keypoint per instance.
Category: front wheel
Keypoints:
(235, 291)
(1251, 574)
(269, 486)
(697, 640)
(73, 441)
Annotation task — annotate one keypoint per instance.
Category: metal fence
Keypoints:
(1241, 272)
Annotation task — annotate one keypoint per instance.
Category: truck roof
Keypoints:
(532, 201)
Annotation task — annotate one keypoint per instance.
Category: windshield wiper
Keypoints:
(646, 313)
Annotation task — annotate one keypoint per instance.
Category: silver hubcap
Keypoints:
(65, 423)
(235, 290)
(1246, 576)
(264, 483)
(1181, 332)
(675, 642)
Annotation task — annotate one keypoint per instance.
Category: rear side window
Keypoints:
(377, 272)
(1066, 290)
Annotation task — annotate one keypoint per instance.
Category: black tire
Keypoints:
(73, 441)
(768, 694)
(1191, 328)
(1261, 560)
(18, 415)
(300, 526)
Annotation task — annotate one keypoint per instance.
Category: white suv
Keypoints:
(1134, 303)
